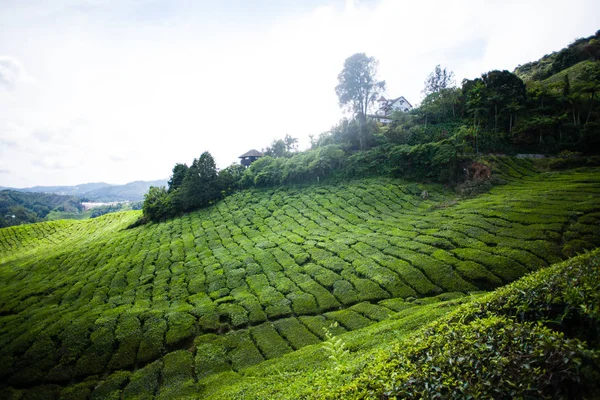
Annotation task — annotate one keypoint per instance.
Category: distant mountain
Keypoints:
(132, 191)
(99, 191)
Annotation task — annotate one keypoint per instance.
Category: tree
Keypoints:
(229, 178)
(179, 171)
(200, 187)
(291, 143)
(282, 147)
(277, 149)
(156, 204)
(438, 80)
(358, 88)
(502, 88)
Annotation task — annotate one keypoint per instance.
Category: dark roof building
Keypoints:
(249, 157)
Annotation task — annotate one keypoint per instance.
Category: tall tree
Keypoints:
(291, 143)
(502, 88)
(179, 172)
(438, 80)
(200, 186)
(358, 88)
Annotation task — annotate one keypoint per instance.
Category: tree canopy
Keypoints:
(358, 86)
(438, 80)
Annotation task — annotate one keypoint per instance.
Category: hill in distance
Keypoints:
(236, 300)
(100, 191)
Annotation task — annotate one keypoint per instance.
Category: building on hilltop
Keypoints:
(387, 107)
(249, 157)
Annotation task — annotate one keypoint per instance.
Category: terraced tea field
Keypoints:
(90, 308)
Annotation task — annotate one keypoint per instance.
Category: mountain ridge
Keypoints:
(98, 191)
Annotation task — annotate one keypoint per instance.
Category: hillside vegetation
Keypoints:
(580, 50)
(91, 308)
(548, 107)
(23, 208)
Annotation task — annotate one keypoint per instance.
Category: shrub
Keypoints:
(181, 326)
(371, 311)
(177, 375)
(316, 324)
(144, 382)
(211, 355)
(296, 333)
(243, 352)
(151, 343)
(492, 357)
(270, 343)
(111, 387)
(303, 303)
(349, 319)
(128, 334)
(345, 292)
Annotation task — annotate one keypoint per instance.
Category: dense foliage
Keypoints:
(578, 51)
(436, 142)
(23, 208)
(260, 274)
(537, 338)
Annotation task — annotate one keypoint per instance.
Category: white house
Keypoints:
(387, 107)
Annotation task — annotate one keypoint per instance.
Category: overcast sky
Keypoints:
(116, 91)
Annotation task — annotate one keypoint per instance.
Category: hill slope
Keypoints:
(580, 50)
(261, 273)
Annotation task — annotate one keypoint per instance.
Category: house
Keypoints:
(249, 157)
(387, 107)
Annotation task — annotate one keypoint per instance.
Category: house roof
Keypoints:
(251, 153)
(381, 98)
(400, 98)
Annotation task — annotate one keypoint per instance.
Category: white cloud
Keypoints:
(12, 73)
(125, 90)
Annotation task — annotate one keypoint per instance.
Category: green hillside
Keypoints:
(92, 308)
(24, 208)
(580, 50)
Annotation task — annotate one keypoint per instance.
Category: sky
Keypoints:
(121, 90)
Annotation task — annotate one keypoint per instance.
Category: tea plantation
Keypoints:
(92, 309)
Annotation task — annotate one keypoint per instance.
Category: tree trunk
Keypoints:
(591, 108)
(510, 123)
(559, 133)
(495, 118)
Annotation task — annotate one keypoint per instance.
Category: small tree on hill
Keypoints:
(179, 172)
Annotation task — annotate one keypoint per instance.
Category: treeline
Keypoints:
(495, 113)
(24, 208)
(200, 184)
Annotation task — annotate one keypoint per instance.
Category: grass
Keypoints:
(259, 275)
